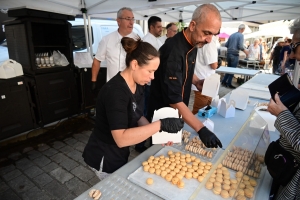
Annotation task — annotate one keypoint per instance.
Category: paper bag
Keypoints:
(211, 86)
(227, 110)
(240, 98)
(164, 137)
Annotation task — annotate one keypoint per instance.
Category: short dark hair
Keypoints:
(152, 21)
(169, 25)
(138, 50)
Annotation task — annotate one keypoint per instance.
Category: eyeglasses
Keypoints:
(294, 46)
(128, 19)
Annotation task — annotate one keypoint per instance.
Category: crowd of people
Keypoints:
(144, 75)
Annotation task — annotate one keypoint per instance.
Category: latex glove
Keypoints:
(275, 108)
(94, 87)
(171, 125)
(209, 139)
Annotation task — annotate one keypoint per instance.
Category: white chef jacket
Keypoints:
(163, 39)
(206, 55)
(111, 50)
(154, 41)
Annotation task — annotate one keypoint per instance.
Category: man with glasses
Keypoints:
(171, 31)
(174, 76)
(110, 48)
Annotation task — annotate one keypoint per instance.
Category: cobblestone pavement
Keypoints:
(50, 166)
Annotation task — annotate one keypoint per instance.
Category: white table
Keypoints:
(225, 129)
(232, 70)
(254, 63)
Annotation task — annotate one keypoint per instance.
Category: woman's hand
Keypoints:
(170, 143)
(276, 107)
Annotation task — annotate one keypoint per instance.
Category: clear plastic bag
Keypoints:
(60, 59)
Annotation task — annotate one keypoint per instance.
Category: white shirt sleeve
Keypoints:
(102, 49)
(211, 53)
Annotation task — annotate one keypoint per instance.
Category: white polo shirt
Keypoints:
(163, 39)
(206, 55)
(154, 41)
(111, 50)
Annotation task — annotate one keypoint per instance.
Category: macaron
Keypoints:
(209, 185)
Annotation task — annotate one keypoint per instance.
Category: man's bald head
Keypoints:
(201, 12)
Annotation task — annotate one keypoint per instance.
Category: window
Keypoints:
(79, 42)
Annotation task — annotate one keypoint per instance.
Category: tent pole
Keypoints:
(90, 35)
(86, 33)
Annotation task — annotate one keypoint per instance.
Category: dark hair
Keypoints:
(289, 40)
(138, 50)
(152, 21)
(169, 25)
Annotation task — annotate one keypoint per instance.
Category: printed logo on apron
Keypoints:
(134, 106)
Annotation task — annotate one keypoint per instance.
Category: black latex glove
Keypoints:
(94, 87)
(209, 139)
(171, 125)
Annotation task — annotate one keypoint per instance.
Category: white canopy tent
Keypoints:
(168, 10)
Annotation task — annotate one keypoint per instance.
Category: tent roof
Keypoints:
(168, 10)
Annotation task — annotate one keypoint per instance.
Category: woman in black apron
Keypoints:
(119, 119)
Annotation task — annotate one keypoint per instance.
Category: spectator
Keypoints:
(288, 124)
(206, 64)
(171, 31)
(275, 55)
(110, 48)
(254, 50)
(285, 52)
(234, 44)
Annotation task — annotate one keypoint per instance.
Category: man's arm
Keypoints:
(95, 69)
(214, 65)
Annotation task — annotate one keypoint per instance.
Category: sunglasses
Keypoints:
(294, 46)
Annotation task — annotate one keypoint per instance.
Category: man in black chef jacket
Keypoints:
(174, 77)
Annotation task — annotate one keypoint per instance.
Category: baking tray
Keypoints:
(118, 188)
(161, 187)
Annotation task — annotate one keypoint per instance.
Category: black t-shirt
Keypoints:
(117, 108)
(276, 54)
(173, 78)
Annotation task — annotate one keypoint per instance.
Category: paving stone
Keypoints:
(24, 163)
(56, 189)
(79, 146)
(94, 181)
(66, 149)
(20, 184)
(36, 194)
(70, 196)
(42, 179)
(11, 175)
(69, 164)
(50, 152)
(58, 144)
(3, 187)
(33, 154)
(58, 158)
(14, 156)
(83, 173)
(87, 133)
(43, 147)
(27, 149)
(82, 162)
(75, 155)
(50, 167)
(77, 186)
(8, 168)
(9, 195)
(70, 141)
(33, 171)
(42, 161)
(81, 137)
(61, 175)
